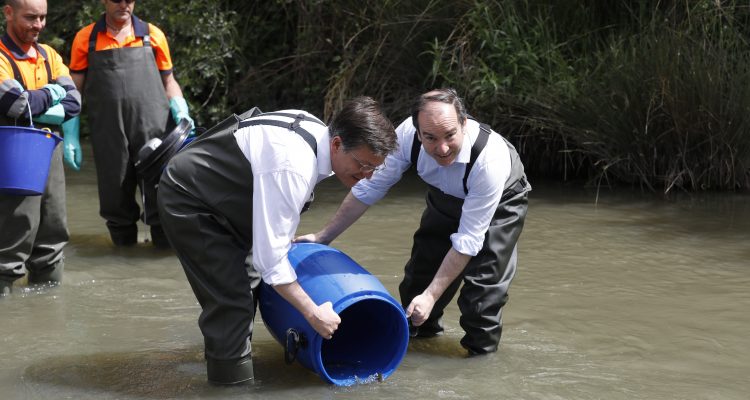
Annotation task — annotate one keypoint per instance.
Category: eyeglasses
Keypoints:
(120, 1)
(366, 168)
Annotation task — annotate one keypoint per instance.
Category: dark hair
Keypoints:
(361, 122)
(444, 95)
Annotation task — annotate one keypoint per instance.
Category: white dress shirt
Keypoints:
(285, 172)
(486, 181)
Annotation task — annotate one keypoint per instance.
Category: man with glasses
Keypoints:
(124, 68)
(34, 82)
(239, 189)
(476, 206)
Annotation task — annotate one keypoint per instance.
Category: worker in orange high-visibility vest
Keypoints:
(34, 82)
(124, 69)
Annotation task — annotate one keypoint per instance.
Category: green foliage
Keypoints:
(668, 107)
(647, 93)
(654, 94)
(316, 54)
(505, 58)
(201, 35)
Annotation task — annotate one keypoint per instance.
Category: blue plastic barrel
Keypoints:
(25, 155)
(373, 335)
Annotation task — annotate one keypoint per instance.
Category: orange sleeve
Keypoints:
(161, 49)
(79, 51)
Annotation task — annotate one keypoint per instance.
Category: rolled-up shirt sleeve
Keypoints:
(278, 197)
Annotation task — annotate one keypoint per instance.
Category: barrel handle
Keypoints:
(294, 341)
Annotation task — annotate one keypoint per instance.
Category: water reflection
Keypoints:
(630, 297)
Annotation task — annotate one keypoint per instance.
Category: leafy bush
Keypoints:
(201, 35)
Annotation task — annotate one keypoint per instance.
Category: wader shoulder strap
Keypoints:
(50, 78)
(519, 186)
(476, 149)
(292, 126)
(16, 72)
(101, 26)
(415, 145)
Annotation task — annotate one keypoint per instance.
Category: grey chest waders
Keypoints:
(127, 106)
(487, 276)
(205, 203)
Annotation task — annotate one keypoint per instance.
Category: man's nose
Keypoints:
(443, 148)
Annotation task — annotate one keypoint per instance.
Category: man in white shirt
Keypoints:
(476, 206)
(239, 189)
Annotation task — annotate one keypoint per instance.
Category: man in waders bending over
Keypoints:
(239, 189)
(34, 80)
(124, 69)
(476, 206)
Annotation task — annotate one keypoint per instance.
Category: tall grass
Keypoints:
(321, 53)
(654, 94)
(667, 108)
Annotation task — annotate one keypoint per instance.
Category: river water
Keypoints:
(619, 295)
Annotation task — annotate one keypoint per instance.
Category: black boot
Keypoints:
(158, 238)
(124, 235)
(429, 329)
(6, 287)
(230, 372)
(52, 275)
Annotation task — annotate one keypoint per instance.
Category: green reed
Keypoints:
(648, 93)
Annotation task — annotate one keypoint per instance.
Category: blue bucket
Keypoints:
(25, 155)
(373, 335)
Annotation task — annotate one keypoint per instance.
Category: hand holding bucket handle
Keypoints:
(324, 320)
(420, 308)
(372, 341)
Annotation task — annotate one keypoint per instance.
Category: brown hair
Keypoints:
(444, 95)
(362, 122)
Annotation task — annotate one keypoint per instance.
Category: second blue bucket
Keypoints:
(373, 335)
(25, 155)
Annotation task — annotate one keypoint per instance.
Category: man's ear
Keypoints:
(336, 144)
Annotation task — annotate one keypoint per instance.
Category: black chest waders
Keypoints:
(34, 229)
(488, 275)
(205, 203)
(126, 106)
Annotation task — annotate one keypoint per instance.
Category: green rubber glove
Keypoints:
(179, 109)
(56, 92)
(72, 153)
(54, 115)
